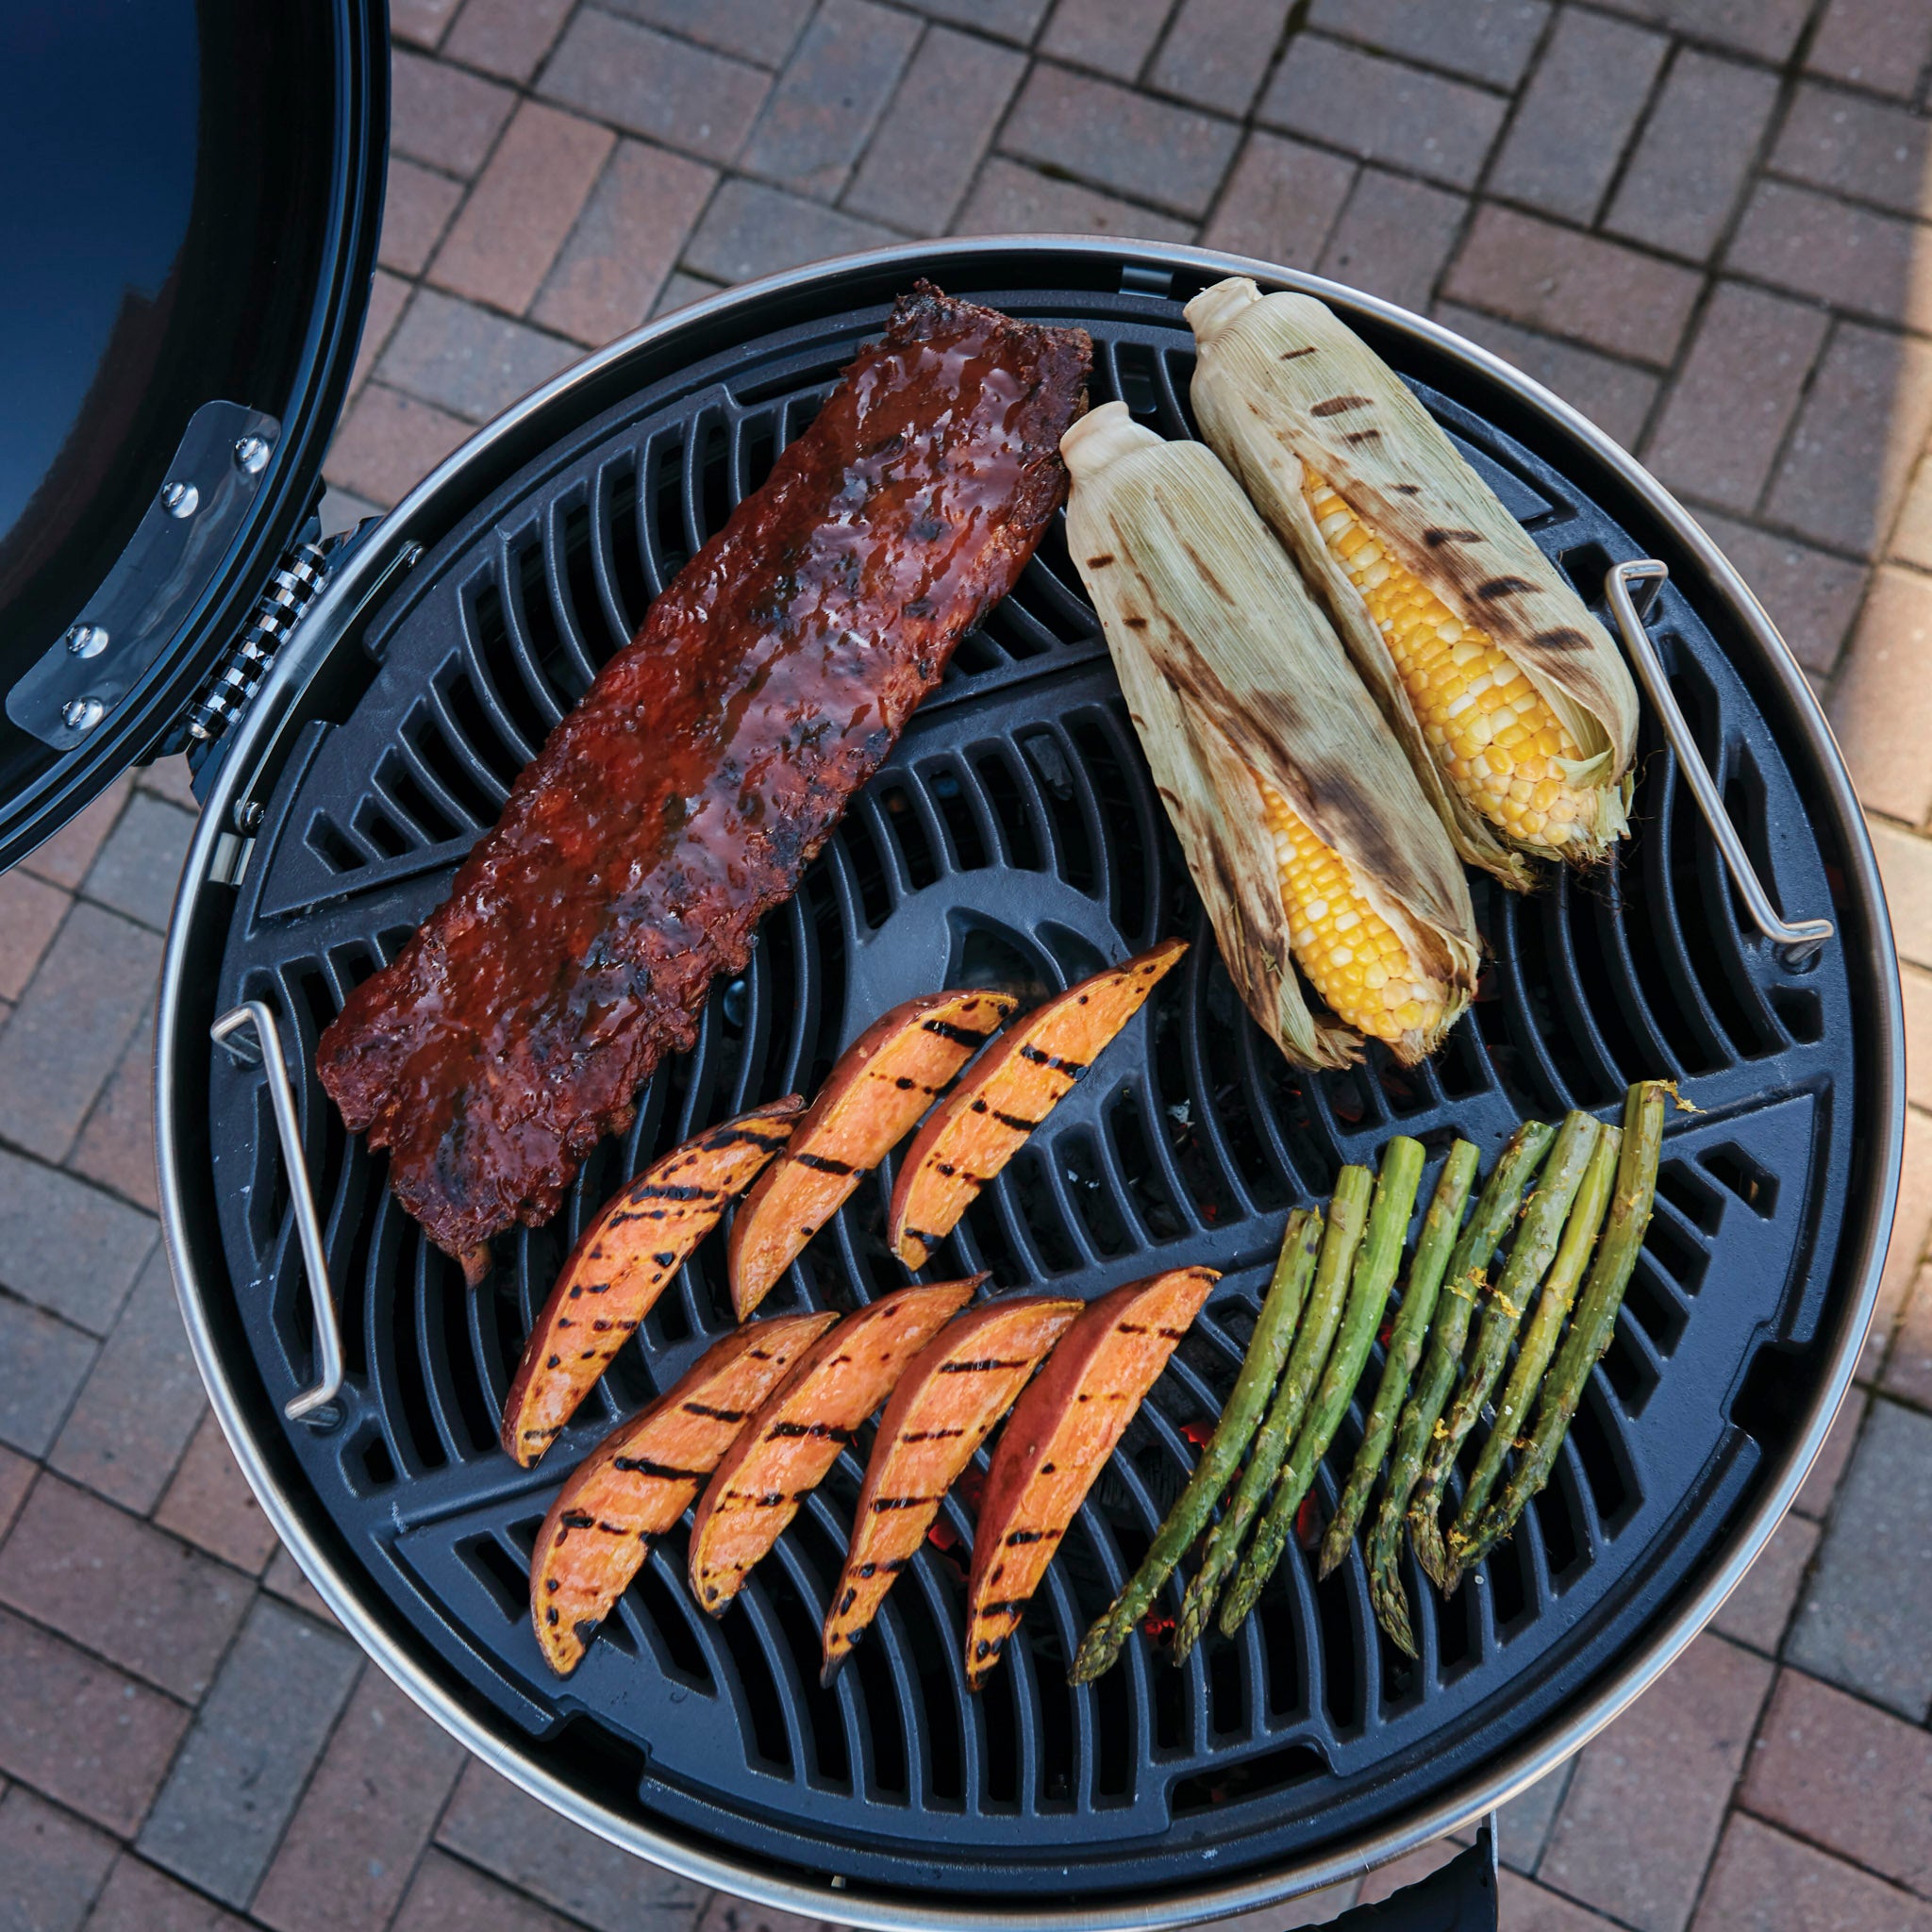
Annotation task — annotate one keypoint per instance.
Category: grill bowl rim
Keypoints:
(368, 570)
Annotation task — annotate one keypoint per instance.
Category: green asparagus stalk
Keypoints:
(1448, 1331)
(1596, 1317)
(1347, 1211)
(1503, 1303)
(1259, 1371)
(1376, 1263)
(1539, 1341)
(1406, 1341)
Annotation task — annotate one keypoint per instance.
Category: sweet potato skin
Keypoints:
(645, 1476)
(1056, 1441)
(953, 1392)
(625, 1259)
(1007, 1093)
(788, 1446)
(870, 1101)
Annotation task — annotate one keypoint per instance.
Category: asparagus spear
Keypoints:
(1504, 1304)
(1596, 1316)
(1260, 1370)
(1448, 1331)
(1346, 1213)
(1405, 1339)
(1540, 1342)
(1375, 1265)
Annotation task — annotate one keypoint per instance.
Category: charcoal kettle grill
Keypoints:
(359, 725)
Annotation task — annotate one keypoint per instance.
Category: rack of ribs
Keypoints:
(683, 798)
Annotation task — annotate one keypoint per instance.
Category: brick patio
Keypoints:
(1698, 219)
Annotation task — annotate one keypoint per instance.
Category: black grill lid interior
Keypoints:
(1015, 836)
(192, 202)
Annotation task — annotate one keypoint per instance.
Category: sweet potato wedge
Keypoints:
(1010, 1088)
(625, 1259)
(870, 1101)
(787, 1448)
(1056, 1441)
(645, 1476)
(955, 1390)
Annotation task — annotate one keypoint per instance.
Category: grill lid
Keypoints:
(187, 248)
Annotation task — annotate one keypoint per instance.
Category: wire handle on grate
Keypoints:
(266, 1053)
(1795, 943)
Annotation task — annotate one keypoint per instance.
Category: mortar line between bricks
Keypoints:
(430, 1838)
(1603, 1912)
(1787, 1827)
(1028, 46)
(455, 215)
(81, 1180)
(1479, 188)
(857, 165)
(1713, 274)
(497, 1878)
(1159, 45)
(315, 1764)
(1291, 26)
(98, 1344)
(672, 33)
(1825, 191)
(252, 1591)
(1633, 141)
(1731, 1801)
(1704, 44)
(1702, 507)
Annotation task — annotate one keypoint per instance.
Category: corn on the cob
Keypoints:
(1488, 726)
(1351, 955)
(1303, 826)
(1515, 710)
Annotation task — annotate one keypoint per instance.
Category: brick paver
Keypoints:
(1707, 224)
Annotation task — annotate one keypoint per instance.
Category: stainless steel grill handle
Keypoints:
(266, 1052)
(1794, 943)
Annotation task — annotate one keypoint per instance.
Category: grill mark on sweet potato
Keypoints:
(801, 1429)
(1058, 1439)
(643, 1477)
(1005, 1096)
(873, 1098)
(952, 1395)
(818, 1163)
(550, 1382)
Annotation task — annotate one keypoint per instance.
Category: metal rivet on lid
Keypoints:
(87, 639)
(252, 452)
(181, 499)
(83, 714)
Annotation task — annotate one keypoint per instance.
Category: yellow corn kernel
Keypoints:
(1348, 952)
(1488, 726)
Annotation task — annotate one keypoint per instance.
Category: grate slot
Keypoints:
(624, 587)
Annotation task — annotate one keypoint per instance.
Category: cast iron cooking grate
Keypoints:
(1014, 838)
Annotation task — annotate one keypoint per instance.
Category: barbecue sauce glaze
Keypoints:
(707, 763)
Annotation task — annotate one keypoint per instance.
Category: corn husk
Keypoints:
(1230, 672)
(1281, 381)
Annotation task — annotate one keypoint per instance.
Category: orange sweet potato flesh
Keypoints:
(625, 1260)
(1056, 1441)
(787, 1448)
(954, 1392)
(1012, 1087)
(870, 1101)
(645, 1476)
